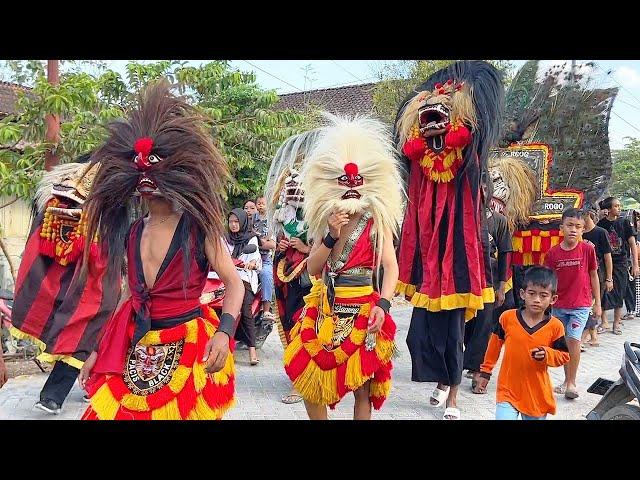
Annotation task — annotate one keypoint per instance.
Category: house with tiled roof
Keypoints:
(347, 100)
(9, 97)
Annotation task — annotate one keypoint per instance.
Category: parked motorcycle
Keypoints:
(213, 295)
(616, 396)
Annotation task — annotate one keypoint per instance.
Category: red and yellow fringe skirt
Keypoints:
(328, 356)
(164, 379)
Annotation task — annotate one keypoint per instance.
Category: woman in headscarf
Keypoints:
(240, 234)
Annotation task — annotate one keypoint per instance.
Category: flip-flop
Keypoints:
(254, 362)
(617, 331)
(451, 413)
(571, 394)
(560, 389)
(440, 396)
(291, 398)
(601, 329)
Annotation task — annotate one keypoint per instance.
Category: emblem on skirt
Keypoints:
(150, 367)
(343, 318)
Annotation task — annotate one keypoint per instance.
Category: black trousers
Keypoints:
(246, 331)
(476, 338)
(477, 332)
(59, 383)
(435, 344)
(615, 298)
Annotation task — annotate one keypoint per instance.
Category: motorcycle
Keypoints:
(213, 295)
(616, 396)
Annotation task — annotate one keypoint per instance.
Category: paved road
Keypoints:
(259, 388)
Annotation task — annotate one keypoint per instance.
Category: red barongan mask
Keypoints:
(144, 160)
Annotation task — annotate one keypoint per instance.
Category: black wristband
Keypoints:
(384, 304)
(227, 324)
(485, 375)
(329, 241)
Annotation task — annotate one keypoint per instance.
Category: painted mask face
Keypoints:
(144, 160)
(351, 180)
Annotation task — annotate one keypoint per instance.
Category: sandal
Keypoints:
(571, 394)
(602, 329)
(291, 398)
(617, 331)
(583, 348)
(254, 362)
(594, 344)
(451, 413)
(439, 396)
(560, 389)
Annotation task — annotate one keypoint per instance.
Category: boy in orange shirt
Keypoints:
(533, 340)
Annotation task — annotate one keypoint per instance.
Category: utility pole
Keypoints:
(572, 75)
(53, 121)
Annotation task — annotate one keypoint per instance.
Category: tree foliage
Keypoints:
(626, 164)
(242, 118)
(397, 79)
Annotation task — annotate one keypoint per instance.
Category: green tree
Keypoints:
(242, 118)
(625, 181)
(397, 79)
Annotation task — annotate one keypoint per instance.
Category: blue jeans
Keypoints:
(266, 278)
(506, 411)
(573, 319)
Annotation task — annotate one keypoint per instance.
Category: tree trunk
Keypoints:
(9, 261)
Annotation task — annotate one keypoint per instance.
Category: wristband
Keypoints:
(609, 280)
(329, 241)
(384, 304)
(227, 322)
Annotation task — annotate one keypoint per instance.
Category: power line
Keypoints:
(628, 123)
(272, 75)
(609, 73)
(343, 68)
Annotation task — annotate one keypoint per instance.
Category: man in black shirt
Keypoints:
(623, 248)
(599, 238)
(478, 330)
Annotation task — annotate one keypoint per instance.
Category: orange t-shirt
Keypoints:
(523, 381)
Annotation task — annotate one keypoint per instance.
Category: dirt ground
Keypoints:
(20, 366)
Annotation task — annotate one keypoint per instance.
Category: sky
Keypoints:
(286, 76)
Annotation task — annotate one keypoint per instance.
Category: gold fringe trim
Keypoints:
(169, 411)
(296, 271)
(104, 403)
(42, 355)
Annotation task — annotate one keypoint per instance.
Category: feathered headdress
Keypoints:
(161, 148)
(353, 168)
(283, 191)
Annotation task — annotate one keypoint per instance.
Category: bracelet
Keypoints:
(227, 322)
(329, 241)
(384, 304)
(609, 280)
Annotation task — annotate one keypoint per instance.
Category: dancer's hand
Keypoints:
(215, 352)
(85, 371)
(376, 319)
(337, 220)
(597, 311)
(500, 295)
(635, 271)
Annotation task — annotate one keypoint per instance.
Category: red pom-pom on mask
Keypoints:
(414, 149)
(143, 146)
(351, 169)
(458, 136)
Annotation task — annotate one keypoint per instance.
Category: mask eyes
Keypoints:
(153, 159)
(343, 178)
(357, 178)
